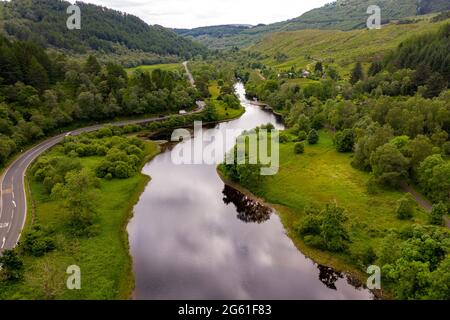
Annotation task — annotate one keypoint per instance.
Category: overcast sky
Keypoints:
(198, 13)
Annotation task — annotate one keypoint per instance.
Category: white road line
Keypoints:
(14, 203)
(3, 244)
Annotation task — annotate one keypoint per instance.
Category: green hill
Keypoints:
(339, 15)
(302, 49)
(102, 29)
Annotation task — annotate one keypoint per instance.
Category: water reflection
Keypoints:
(249, 210)
(186, 243)
(328, 276)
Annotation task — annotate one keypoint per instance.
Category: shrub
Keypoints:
(345, 140)
(313, 137)
(405, 207)
(437, 214)
(302, 136)
(446, 148)
(299, 148)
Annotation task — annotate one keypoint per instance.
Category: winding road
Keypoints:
(13, 201)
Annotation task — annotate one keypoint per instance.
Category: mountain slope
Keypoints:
(102, 29)
(340, 15)
(341, 49)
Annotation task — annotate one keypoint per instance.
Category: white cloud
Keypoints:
(196, 13)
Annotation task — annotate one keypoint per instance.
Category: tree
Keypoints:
(12, 265)
(92, 66)
(313, 137)
(333, 231)
(389, 165)
(318, 68)
(405, 207)
(356, 74)
(79, 199)
(434, 86)
(434, 178)
(437, 214)
(299, 148)
(375, 68)
(345, 140)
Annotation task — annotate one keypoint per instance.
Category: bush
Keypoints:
(405, 207)
(345, 140)
(299, 148)
(313, 137)
(446, 148)
(302, 136)
(437, 214)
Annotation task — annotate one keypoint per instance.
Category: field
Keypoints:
(104, 259)
(166, 67)
(223, 112)
(338, 48)
(322, 176)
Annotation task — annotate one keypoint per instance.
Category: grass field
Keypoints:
(338, 48)
(322, 176)
(223, 112)
(106, 269)
(166, 67)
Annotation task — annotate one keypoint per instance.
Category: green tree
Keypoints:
(79, 198)
(437, 214)
(333, 231)
(92, 66)
(405, 207)
(299, 148)
(389, 165)
(356, 74)
(12, 265)
(313, 137)
(345, 140)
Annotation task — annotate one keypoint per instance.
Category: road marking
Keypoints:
(14, 203)
(3, 244)
(4, 225)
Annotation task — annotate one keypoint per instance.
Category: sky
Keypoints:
(198, 13)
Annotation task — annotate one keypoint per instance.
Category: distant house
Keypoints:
(306, 73)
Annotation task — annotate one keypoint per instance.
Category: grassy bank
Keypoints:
(106, 268)
(322, 176)
(224, 112)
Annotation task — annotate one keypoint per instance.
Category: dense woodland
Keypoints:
(394, 118)
(103, 30)
(41, 93)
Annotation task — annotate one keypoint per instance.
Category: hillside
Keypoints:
(302, 49)
(102, 29)
(340, 15)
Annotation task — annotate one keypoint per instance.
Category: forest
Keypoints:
(390, 121)
(103, 30)
(41, 93)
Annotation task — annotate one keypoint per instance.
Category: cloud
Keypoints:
(196, 13)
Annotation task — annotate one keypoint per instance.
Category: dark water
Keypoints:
(193, 238)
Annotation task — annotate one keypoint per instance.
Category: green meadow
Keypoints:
(338, 48)
(322, 176)
(222, 110)
(104, 260)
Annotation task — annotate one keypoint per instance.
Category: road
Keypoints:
(421, 201)
(13, 203)
(189, 74)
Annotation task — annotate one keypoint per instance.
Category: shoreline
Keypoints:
(316, 256)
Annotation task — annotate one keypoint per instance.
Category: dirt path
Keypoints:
(421, 201)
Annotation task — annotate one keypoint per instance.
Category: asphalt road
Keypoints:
(13, 203)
